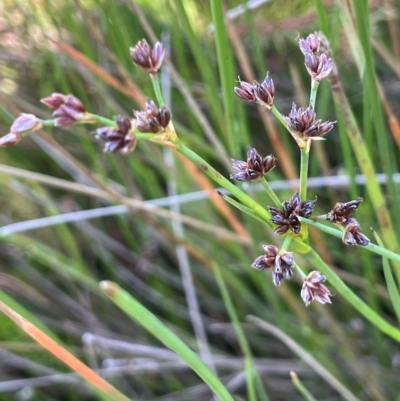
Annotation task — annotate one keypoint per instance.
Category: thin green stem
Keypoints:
(271, 193)
(304, 172)
(352, 298)
(286, 243)
(339, 234)
(313, 93)
(155, 80)
(218, 178)
(279, 116)
(101, 121)
(136, 311)
(299, 385)
(300, 270)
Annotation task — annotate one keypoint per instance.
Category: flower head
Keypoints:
(255, 167)
(262, 93)
(287, 218)
(303, 125)
(10, 139)
(342, 213)
(26, 123)
(282, 261)
(354, 236)
(314, 290)
(118, 139)
(152, 119)
(147, 58)
(68, 109)
(316, 60)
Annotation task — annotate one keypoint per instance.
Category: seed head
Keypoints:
(342, 213)
(255, 167)
(26, 123)
(265, 92)
(152, 119)
(287, 218)
(309, 44)
(147, 58)
(303, 125)
(354, 236)
(282, 261)
(68, 109)
(283, 269)
(267, 260)
(118, 139)
(314, 290)
(246, 91)
(10, 139)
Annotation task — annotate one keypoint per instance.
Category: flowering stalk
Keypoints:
(349, 295)
(155, 80)
(271, 192)
(221, 180)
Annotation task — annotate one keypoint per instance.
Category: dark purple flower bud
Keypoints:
(118, 139)
(342, 213)
(10, 139)
(303, 125)
(287, 218)
(246, 91)
(267, 260)
(152, 119)
(265, 92)
(26, 123)
(314, 290)
(147, 58)
(310, 44)
(319, 67)
(283, 269)
(255, 168)
(68, 109)
(354, 236)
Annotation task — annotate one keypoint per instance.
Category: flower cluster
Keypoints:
(147, 58)
(342, 214)
(287, 218)
(314, 290)
(262, 93)
(152, 119)
(25, 123)
(255, 168)
(318, 64)
(68, 109)
(304, 125)
(118, 138)
(282, 261)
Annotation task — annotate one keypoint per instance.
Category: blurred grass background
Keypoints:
(178, 271)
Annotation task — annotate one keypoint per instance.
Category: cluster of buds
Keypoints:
(147, 58)
(314, 290)
(255, 168)
(68, 109)
(342, 214)
(120, 138)
(318, 64)
(282, 261)
(25, 123)
(283, 264)
(262, 93)
(303, 125)
(152, 119)
(287, 218)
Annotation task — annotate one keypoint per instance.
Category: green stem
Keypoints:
(280, 117)
(313, 93)
(155, 80)
(217, 177)
(150, 322)
(286, 243)
(101, 121)
(271, 193)
(349, 295)
(339, 234)
(303, 172)
(299, 385)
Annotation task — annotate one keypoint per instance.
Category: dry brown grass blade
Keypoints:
(135, 95)
(215, 199)
(62, 354)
